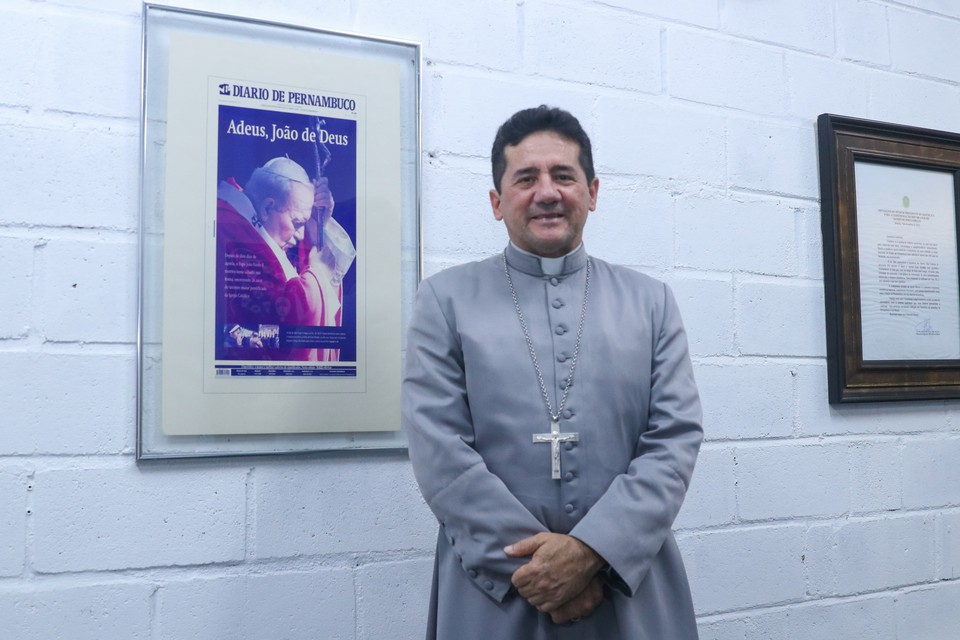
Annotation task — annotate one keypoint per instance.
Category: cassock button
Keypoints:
(560, 330)
(568, 476)
(557, 303)
(472, 573)
(554, 281)
(569, 508)
(568, 446)
(487, 585)
(567, 414)
(562, 357)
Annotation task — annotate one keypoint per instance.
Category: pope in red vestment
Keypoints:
(257, 284)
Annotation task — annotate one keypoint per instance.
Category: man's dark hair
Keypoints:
(542, 118)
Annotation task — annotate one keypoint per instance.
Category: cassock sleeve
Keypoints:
(478, 515)
(630, 521)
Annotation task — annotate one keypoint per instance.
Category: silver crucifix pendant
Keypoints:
(555, 438)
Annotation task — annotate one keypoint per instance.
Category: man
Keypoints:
(257, 229)
(552, 417)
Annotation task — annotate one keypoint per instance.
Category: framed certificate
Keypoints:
(279, 236)
(889, 197)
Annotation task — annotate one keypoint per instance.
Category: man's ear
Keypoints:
(267, 208)
(495, 204)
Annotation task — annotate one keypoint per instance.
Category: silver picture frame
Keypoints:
(178, 195)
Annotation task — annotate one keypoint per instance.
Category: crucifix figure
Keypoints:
(555, 438)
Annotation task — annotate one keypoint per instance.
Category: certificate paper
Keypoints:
(228, 368)
(907, 239)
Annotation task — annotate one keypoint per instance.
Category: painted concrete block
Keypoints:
(108, 519)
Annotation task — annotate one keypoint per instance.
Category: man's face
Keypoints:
(544, 196)
(284, 221)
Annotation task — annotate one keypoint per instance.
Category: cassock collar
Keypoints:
(530, 264)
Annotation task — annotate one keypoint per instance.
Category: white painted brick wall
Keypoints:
(116, 610)
(707, 298)
(938, 33)
(772, 157)
(16, 280)
(20, 78)
(106, 43)
(875, 476)
(725, 573)
(78, 414)
(700, 12)
(89, 519)
(863, 32)
(63, 154)
(711, 500)
(780, 318)
(776, 482)
(948, 544)
(260, 606)
(400, 587)
(712, 70)
(844, 88)
(637, 137)
(929, 614)
(13, 522)
(87, 289)
(623, 207)
(739, 234)
(930, 475)
(803, 520)
(746, 400)
(377, 508)
(863, 618)
(912, 100)
(866, 555)
(633, 64)
(801, 24)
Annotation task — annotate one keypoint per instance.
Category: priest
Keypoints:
(552, 417)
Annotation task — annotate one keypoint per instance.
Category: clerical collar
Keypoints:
(535, 265)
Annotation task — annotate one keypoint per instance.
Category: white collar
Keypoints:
(549, 266)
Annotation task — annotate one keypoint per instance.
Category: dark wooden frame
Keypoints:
(842, 141)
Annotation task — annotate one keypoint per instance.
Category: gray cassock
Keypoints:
(471, 404)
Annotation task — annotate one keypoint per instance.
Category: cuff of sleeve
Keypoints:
(614, 581)
(608, 549)
(495, 588)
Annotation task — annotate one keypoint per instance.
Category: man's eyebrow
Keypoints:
(524, 171)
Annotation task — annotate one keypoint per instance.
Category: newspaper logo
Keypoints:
(224, 89)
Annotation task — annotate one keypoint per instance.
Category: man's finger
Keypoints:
(580, 606)
(525, 547)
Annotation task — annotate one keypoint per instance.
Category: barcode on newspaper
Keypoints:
(223, 372)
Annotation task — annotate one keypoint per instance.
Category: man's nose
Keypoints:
(547, 191)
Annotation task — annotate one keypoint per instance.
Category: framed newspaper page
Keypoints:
(279, 236)
(889, 203)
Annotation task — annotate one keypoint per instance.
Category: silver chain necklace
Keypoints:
(568, 381)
